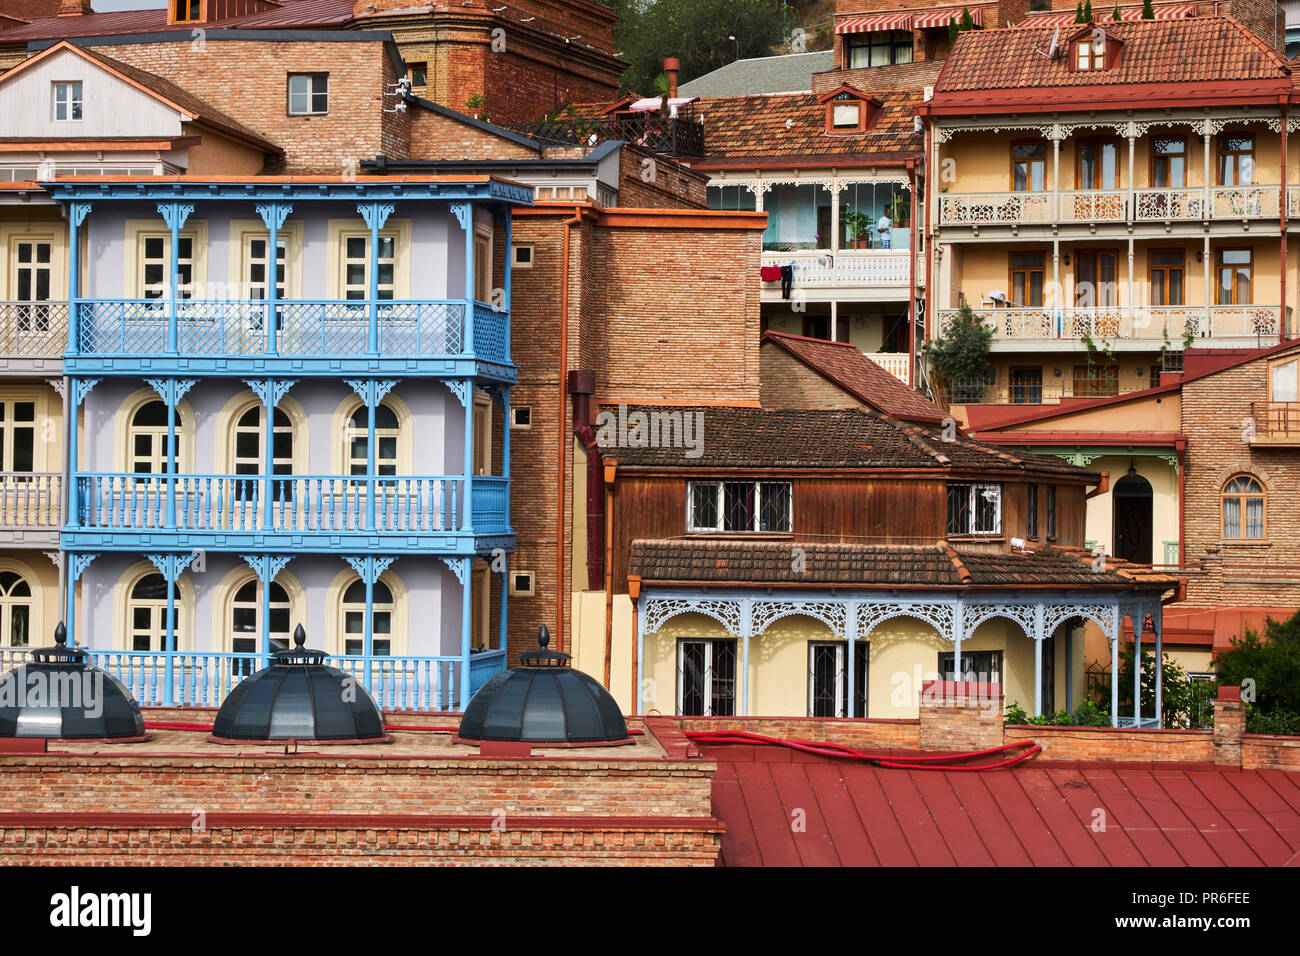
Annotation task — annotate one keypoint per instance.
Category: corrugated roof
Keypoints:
(790, 73)
(1035, 815)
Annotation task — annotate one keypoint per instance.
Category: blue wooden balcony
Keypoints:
(452, 337)
(300, 513)
(205, 678)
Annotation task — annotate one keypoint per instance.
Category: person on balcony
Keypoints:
(884, 227)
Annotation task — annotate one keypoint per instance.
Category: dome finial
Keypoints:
(60, 635)
(299, 636)
(543, 637)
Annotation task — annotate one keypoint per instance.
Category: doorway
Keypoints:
(1133, 521)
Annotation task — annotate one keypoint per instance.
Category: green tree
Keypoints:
(1114, 14)
(960, 355)
(1148, 12)
(1268, 666)
(694, 31)
(1178, 697)
(1078, 14)
(1087, 11)
(967, 21)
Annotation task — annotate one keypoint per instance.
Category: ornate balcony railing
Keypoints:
(897, 364)
(31, 500)
(298, 503)
(1153, 323)
(1043, 391)
(848, 268)
(1113, 205)
(672, 136)
(301, 329)
(35, 329)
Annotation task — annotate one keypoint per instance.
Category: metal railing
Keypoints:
(33, 329)
(1276, 419)
(1113, 205)
(301, 328)
(1050, 390)
(31, 500)
(673, 136)
(297, 503)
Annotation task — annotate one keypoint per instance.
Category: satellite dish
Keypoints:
(1056, 36)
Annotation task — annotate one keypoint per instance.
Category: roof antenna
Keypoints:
(1051, 51)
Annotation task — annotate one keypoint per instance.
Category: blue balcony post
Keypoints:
(466, 617)
(170, 521)
(506, 303)
(505, 592)
(468, 497)
(368, 633)
(505, 446)
(76, 563)
(174, 214)
(273, 214)
(375, 215)
(464, 213)
(371, 461)
(77, 212)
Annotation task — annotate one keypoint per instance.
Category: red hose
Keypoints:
(826, 749)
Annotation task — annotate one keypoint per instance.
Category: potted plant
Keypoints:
(856, 225)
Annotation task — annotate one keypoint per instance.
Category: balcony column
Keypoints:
(851, 637)
(1057, 134)
(369, 568)
(267, 567)
(174, 215)
(77, 212)
(1160, 665)
(1112, 632)
(1058, 296)
(1131, 133)
(371, 392)
(464, 213)
(505, 445)
(506, 281)
(746, 632)
(273, 214)
(1131, 295)
(835, 220)
(76, 563)
(375, 215)
(1209, 290)
(463, 568)
(1206, 128)
(958, 633)
(170, 566)
(1137, 668)
(505, 592)
(171, 391)
(1039, 636)
(270, 391)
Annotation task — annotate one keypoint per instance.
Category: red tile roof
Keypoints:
(846, 366)
(709, 560)
(293, 13)
(1215, 53)
(1039, 814)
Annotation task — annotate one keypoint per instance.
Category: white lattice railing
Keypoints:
(1094, 205)
(897, 364)
(1112, 205)
(848, 268)
(976, 209)
(1153, 323)
(1245, 202)
(1169, 204)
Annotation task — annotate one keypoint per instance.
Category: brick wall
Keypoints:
(355, 128)
(160, 841)
(904, 76)
(653, 182)
(661, 310)
(1117, 744)
(859, 733)
(788, 383)
(434, 136)
(1257, 572)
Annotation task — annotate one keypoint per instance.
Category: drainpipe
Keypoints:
(611, 467)
(582, 383)
(1182, 509)
(913, 246)
(561, 452)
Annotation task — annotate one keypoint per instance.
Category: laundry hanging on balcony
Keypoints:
(770, 273)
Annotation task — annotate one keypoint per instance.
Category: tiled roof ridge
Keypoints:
(913, 434)
(963, 572)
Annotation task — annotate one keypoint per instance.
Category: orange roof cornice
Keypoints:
(97, 145)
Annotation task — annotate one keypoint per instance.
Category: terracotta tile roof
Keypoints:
(745, 437)
(794, 125)
(1037, 814)
(293, 13)
(1198, 50)
(733, 560)
(846, 366)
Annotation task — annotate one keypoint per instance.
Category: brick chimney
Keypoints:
(74, 8)
(1229, 725)
(671, 66)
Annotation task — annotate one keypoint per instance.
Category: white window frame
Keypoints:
(377, 608)
(528, 590)
(311, 93)
(709, 644)
(68, 96)
(975, 488)
(518, 263)
(514, 417)
(758, 483)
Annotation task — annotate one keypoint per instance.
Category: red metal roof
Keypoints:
(893, 21)
(1040, 814)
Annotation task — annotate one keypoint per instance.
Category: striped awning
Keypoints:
(929, 21)
(1168, 11)
(893, 21)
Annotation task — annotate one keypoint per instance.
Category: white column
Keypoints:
(1056, 177)
(1131, 295)
(746, 629)
(1209, 289)
(835, 217)
(1137, 669)
(1113, 634)
(835, 319)
(851, 633)
(1132, 169)
(1160, 664)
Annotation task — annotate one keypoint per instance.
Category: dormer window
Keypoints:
(848, 110)
(846, 115)
(1090, 54)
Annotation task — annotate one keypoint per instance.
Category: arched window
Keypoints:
(356, 441)
(147, 439)
(147, 614)
(354, 618)
(1243, 507)
(250, 452)
(246, 618)
(15, 610)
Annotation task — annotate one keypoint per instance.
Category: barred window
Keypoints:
(739, 506)
(974, 509)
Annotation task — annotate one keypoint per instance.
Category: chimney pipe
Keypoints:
(74, 8)
(671, 66)
(582, 383)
